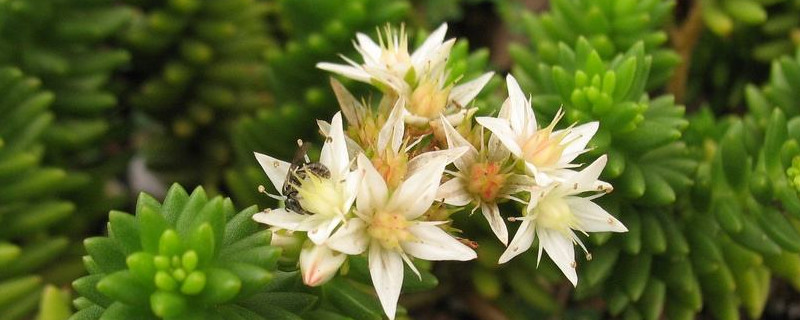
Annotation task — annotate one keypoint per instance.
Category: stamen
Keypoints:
(262, 189)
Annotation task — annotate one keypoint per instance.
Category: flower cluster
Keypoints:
(387, 184)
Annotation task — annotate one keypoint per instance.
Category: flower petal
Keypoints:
(351, 108)
(351, 238)
(454, 192)
(492, 214)
(592, 217)
(464, 93)
(373, 193)
(351, 72)
(318, 264)
(432, 243)
(578, 138)
(414, 195)
(282, 218)
(502, 130)
(368, 48)
(334, 152)
(323, 230)
(353, 149)
(561, 251)
(275, 169)
(520, 114)
(391, 134)
(522, 241)
(386, 271)
(455, 140)
(428, 48)
(586, 179)
(421, 160)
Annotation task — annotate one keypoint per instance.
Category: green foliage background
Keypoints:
(698, 101)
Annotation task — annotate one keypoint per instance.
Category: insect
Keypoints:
(298, 171)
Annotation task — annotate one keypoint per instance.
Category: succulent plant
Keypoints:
(29, 201)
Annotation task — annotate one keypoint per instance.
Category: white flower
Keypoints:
(419, 78)
(327, 199)
(547, 153)
(481, 179)
(388, 226)
(556, 211)
(318, 264)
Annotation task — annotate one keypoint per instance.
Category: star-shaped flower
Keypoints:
(327, 199)
(420, 77)
(483, 178)
(547, 153)
(389, 226)
(556, 211)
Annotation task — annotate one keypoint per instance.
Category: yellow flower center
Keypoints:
(390, 229)
(320, 195)
(485, 181)
(392, 167)
(544, 148)
(552, 212)
(428, 100)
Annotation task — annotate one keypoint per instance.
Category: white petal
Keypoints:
(464, 93)
(391, 134)
(579, 137)
(351, 72)
(502, 130)
(561, 251)
(369, 47)
(386, 271)
(454, 192)
(282, 218)
(516, 183)
(522, 241)
(351, 238)
(416, 194)
(318, 264)
(334, 151)
(275, 169)
(432, 243)
(521, 117)
(373, 193)
(323, 230)
(586, 179)
(428, 48)
(492, 214)
(351, 108)
(422, 160)
(497, 151)
(454, 140)
(592, 217)
(353, 149)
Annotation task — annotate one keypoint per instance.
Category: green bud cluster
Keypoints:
(722, 16)
(189, 257)
(29, 197)
(198, 65)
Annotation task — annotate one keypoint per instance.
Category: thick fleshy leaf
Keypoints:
(561, 250)
(592, 217)
(522, 241)
(432, 243)
(275, 169)
(386, 271)
(351, 238)
(373, 192)
(492, 214)
(454, 192)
